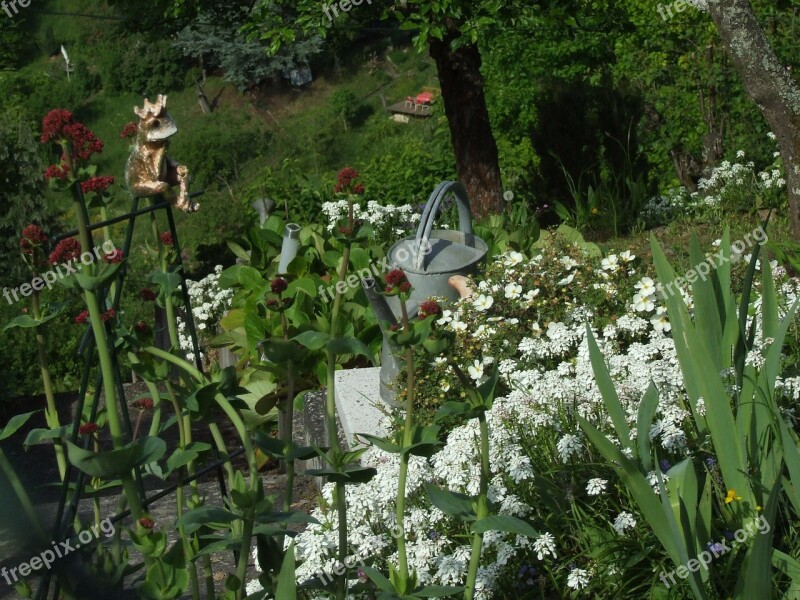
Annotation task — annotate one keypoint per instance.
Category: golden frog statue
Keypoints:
(149, 171)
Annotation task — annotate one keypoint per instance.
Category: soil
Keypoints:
(37, 470)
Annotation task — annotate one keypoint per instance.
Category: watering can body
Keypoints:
(429, 259)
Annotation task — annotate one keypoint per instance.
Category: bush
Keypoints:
(139, 65)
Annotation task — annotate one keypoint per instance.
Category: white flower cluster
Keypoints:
(209, 304)
(386, 220)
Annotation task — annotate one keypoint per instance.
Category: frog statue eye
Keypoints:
(156, 124)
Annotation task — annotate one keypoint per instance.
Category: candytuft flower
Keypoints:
(82, 318)
(67, 250)
(32, 236)
(98, 185)
(88, 428)
(166, 238)
(114, 257)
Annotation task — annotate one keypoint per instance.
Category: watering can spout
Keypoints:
(378, 303)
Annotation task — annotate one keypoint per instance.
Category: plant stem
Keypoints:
(483, 508)
(52, 410)
(244, 553)
(333, 438)
(288, 429)
(22, 495)
(404, 457)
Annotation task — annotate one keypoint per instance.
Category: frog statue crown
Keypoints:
(152, 109)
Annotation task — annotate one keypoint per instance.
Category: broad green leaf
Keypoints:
(505, 523)
(14, 424)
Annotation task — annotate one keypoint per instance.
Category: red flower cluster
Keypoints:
(141, 327)
(114, 257)
(396, 278)
(109, 314)
(143, 404)
(66, 250)
(429, 308)
(32, 236)
(97, 184)
(88, 428)
(130, 130)
(59, 124)
(147, 523)
(56, 172)
(53, 124)
(147, 295)
(82, 318)
(345, 181)
(279, 285)
(166, 238)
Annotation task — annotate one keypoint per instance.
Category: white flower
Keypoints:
(531, 294)
(659, 320)
(458, 325)
(596, 486)
(567, 446)
(578, 579)
(610, 263)
(476, 370)
(513, 291)
(567, 280)
(483, 302)
(545, 545)
(643, 303)
(513, 258)
(624, 521)
(626, 256)
(646, 286)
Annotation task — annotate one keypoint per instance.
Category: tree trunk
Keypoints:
(477, 163)
(768, 83)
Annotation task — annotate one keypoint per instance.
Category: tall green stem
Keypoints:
(483, 508)
(106, 364)
(404, 457)
(288, 425)
(22, 495)
(333, 438)
(52, 411)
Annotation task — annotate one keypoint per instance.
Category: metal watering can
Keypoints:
(429, 259)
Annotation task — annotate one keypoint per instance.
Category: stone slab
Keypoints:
(358, 402)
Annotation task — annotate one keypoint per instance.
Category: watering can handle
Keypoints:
(422, 240)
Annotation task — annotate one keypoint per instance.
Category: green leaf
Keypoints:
(37, 436)
(116, 463)
(382, 443)
(647, 410)
(451, 503)
(350, 345)
(14, 424)
(206, 516)
(610, 398)
(287, 588)
(505, 523)
(313, 340)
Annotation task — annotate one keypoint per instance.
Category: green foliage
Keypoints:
(140, 64)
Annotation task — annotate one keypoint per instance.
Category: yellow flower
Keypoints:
(758, 508)
(595, 211)
(731, 497)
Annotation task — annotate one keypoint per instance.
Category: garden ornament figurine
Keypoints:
(149, 170)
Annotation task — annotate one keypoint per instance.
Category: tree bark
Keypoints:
(768, 83)
(477, 162)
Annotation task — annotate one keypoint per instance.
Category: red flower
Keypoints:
(32, 236)
(97, 184)
(345, 180)
(109, 314)
(395, 277)
(88, 428)
(358, 188)
(404, 287)
(348, 231)
(147, 523)
(279, 285)
(53, 124)
(129, 131)
(114, 257)
(66, 250)
(56, 172)
(147, 295)
(60, 125)
(428, 308)
(82, 318)
(143, 404)
(166, 238)
(141, 327)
